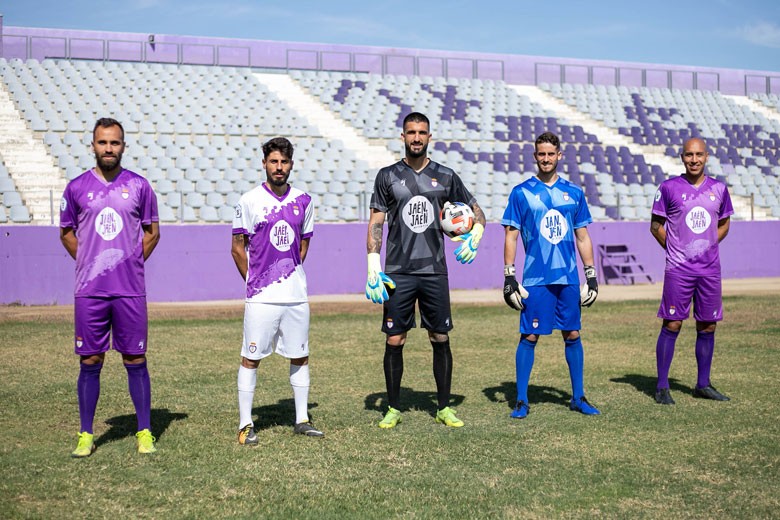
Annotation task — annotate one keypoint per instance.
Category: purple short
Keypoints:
(122, 319)
(678, 291)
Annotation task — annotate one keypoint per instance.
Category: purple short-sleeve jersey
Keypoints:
(108, 219)
(692, 214)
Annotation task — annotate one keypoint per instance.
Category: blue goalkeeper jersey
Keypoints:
(547, 217)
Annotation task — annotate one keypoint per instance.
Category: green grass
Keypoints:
(698, 459)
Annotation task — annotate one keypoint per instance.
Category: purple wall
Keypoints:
(193, 262)
(28, 42)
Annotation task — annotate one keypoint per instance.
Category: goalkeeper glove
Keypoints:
(467, 251)
(513, 291)
(378, 282)
(590, 290)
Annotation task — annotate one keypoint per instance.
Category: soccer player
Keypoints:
(551, 215)
(272, 228)
(691, 215)
(109, 225)
(410, 195)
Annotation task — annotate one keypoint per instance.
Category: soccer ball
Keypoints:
(457, 218)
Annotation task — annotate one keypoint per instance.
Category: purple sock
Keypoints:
(141, 393)
(88, 390)
(664, 352)
(705, 346)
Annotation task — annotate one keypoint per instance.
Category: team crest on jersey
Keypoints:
(712, 196)
(253, 347)
(79, 342)
(535, 323)
(565, 196)
(296, 210)
(389, 323)
(672, 309)
(434, 182)
(125, 193)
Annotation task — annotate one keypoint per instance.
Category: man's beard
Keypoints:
(416, 155)
(106, 166)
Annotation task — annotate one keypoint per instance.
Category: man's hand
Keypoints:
(467, 251)
(513, 291)
(378, 282)
(590, 290)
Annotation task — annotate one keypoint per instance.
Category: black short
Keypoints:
(433, 294)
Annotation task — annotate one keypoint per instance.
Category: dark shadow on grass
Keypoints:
(507, 392)
(646, 384)
(282, 413)
(123, 426)
(410, 400)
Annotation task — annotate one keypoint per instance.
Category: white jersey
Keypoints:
(275, 227)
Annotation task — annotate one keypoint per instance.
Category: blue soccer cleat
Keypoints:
(521, 410)
(583, 406)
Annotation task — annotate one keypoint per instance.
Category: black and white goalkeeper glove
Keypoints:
(590, 290)
(513, 291)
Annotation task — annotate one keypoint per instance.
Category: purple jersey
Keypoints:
(692, 214)
(275, 226)
(108, 219)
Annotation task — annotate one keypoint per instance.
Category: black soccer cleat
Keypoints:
(662, 396)
(709, 392)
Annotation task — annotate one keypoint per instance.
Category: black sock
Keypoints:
(394, 371)
(442, 371)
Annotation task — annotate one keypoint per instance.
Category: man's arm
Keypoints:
(584, 245)
(304, 248)
(723, 228)
(151, 238)
(238, 250)
(510, 244)
(479, 215)
(658, 230)
(375, 224)
(69, 240)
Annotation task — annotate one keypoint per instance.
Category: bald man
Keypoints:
(690, 217)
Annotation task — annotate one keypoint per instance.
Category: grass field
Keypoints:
(697, 459)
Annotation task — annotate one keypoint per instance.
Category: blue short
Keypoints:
(551, 307)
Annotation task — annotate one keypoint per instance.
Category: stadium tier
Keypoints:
(196, 131)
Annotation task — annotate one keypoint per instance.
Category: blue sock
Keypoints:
(576, 362)
(524, 362)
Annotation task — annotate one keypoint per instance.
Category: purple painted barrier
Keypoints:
(39, 43)
(193, 263)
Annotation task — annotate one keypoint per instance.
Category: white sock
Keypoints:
(299, 379)
(247, 379)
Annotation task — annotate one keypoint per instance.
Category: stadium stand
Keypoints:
(196, 132)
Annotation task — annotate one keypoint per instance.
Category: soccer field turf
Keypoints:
(699, 458)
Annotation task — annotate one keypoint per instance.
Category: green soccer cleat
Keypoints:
(392, 417)
(446, 416)
(85, 446)
(145, 442)
(247, 436)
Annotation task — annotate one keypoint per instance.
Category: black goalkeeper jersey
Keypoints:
(412, 202)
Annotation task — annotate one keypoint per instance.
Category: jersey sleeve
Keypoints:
(308, 219)
(659, 202)
(148, 201)
(511, 216)
(240, 217)
(68, 209)
(726, 209)
(582, 215)
(379, 199)
(459, 192)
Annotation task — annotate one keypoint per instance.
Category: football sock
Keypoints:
(664, 352)
(88, 389)
(247, 380)
(705, 347)
(299, 379)
(442, 371)
(141, 393)
(524, 363)
(576, 361)
(394, 371)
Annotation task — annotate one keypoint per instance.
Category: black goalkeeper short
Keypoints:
(431, 292)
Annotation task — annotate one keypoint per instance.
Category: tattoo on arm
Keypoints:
(375, 244)
(479, 215)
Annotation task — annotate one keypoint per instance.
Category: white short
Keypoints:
(285, 325)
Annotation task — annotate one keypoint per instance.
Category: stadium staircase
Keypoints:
(618, 264)
(29, 163)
